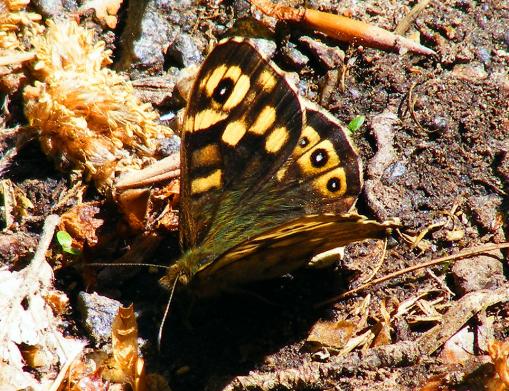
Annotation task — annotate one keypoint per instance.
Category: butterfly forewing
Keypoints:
(242, 121)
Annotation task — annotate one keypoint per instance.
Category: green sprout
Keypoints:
(65, 241)
(356, 123)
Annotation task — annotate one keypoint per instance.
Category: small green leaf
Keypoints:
(356, 123)
(65, 240)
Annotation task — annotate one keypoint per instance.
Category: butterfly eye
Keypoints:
(303, 142)
(319, 158)
(223, 90)
(333, 184)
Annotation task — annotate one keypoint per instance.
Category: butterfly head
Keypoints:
(183, 270)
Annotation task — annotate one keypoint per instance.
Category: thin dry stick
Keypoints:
(380, 263)
(409, 18)
(164, 169)
(17, 58)
(433, 262)
(66, 368)
(127, 264)
(48, 229)
(411, 103)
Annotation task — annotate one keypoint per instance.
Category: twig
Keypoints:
(32, 272)
(55, 386)
(409, 18)
(380, 263)
(17, 58)
(48, 229)
(164, 169)
(433, 262)
(410, 105)
(454, 319)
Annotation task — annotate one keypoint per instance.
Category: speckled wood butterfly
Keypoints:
(268, 178)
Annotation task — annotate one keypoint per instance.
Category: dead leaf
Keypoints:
(58, 301)
(124, 338)
(36, 356)
(28, 321)
(105, 11)
(382, 329)
(85, 374)
(332, 334)
(82, 223)
(499, 353)
(436, 383)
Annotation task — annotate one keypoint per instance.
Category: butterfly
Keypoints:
(267, 177)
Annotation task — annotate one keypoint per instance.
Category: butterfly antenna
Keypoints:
(127, 264)
(166, 311)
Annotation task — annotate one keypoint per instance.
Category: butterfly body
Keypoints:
(268, 178)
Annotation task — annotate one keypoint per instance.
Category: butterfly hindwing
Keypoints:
(285, 249)
(323, 173)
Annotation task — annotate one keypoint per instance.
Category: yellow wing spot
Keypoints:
(332, 183)
(281, 173)
(276, 139)
(233, 72)
(211, 81)
(267, 81)
(305, 162)
(201, 185)
(234, 133)
(264, 120)
(206, 156)
(239, 92)
(206, 118)
(188, 124)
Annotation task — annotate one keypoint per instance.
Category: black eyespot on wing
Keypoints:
(303, 142)
(319, 157)
(333, 184)
(223, 90)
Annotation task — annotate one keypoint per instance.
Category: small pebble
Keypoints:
(485, 211)
(184, 51)
(169, 146)
(484, 55)
(439, 124)
(295, 57)
(265, 46)
(97, 314)
(329, 57)
(354, 92)
(480, 272)
(471, 72)
(394, 171)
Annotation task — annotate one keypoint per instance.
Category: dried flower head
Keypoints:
(86, 115)
(17, 26)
